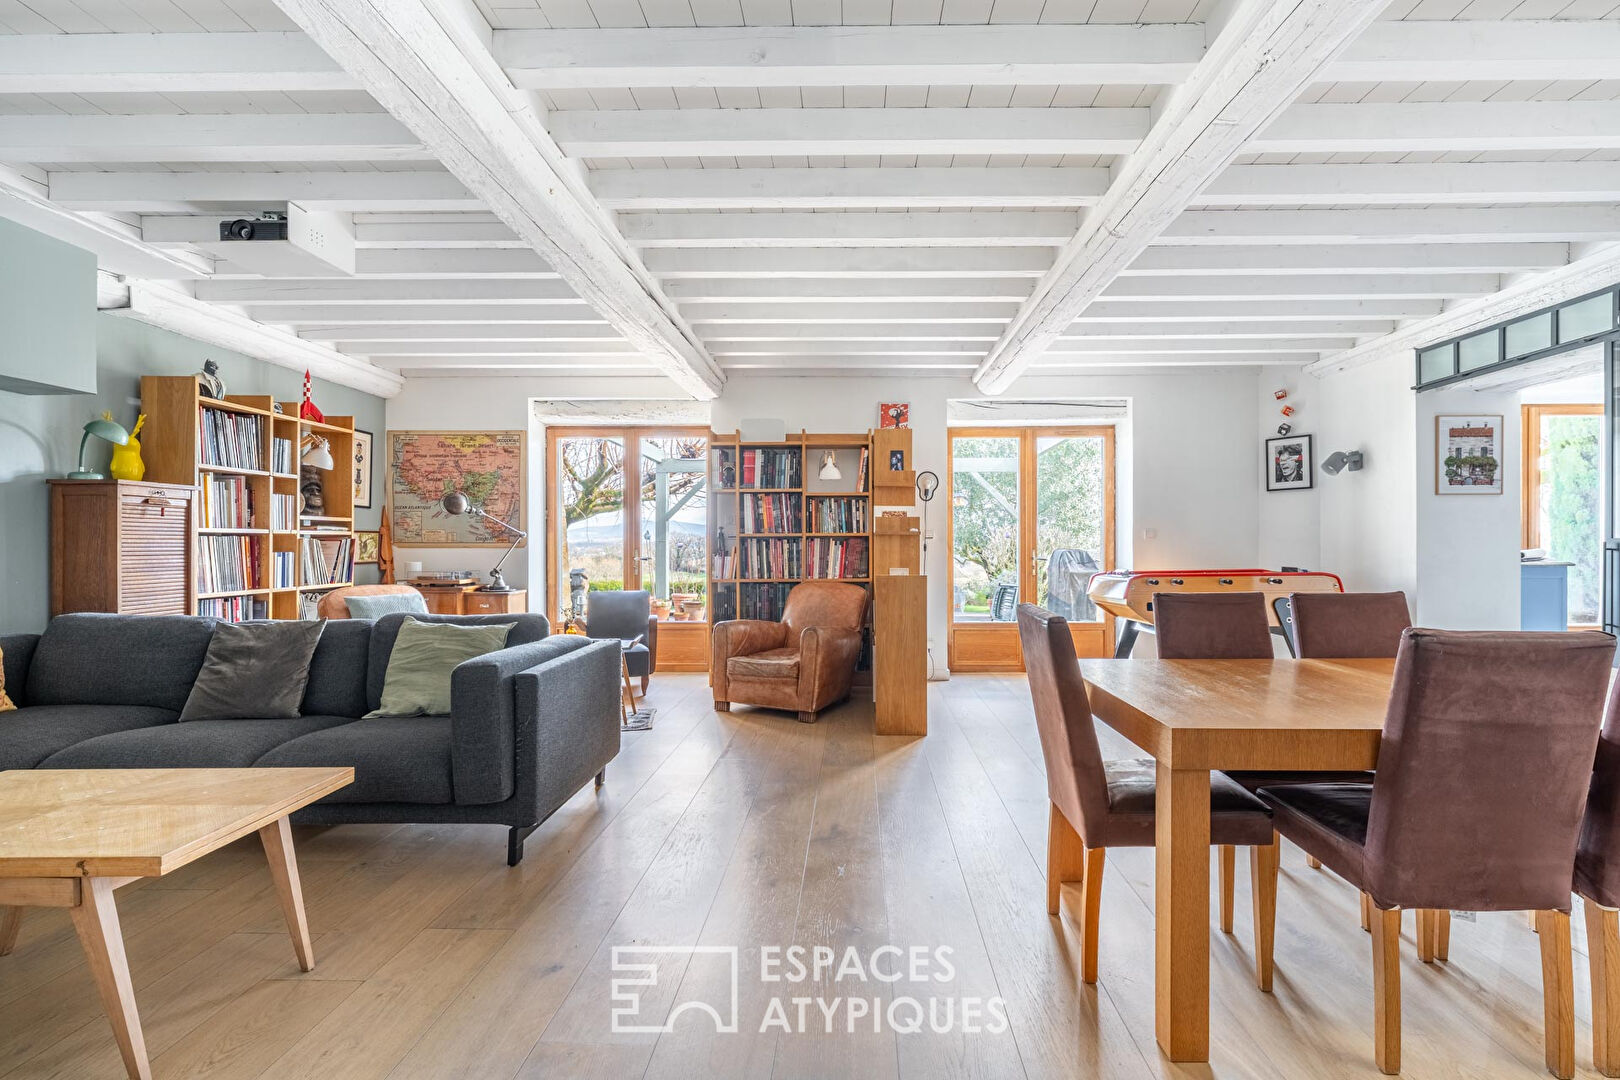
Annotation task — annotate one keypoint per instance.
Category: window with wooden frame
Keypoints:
(1561, 509)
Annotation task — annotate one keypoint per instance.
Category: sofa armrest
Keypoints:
(19, 651)
(567, 723)
(484, 721)
(827, 659)
(740, 637)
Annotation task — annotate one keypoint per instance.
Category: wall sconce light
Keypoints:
(1340, 460)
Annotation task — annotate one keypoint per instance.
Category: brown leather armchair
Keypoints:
(804, 663)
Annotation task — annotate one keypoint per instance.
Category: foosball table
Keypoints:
(1128, 594)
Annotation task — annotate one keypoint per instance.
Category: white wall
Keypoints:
(1289, 528)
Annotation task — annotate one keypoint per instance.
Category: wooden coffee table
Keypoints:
(69, 837)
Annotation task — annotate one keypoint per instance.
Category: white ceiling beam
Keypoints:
(852, 264)
(171, 310)
(1466, 50)
(411, 331)
(231, 193)
(433, 263)
(852, 347)
(359, 314)
(435, 234)
(538, 347)
(1303, 286)
(1419, 126)
(387, 291)
(882, 363)
(234, 137)
(1254, 328)
(1597, 271)
(1392, 225)
(1051, 365)
(763, 132)
(1350, 258)
(865, 292)
(839, 313)
(1240, 309)
(1261, 59)
(166, 63)
(422, 70)
(850, 229)
(1070, 346)
(513, 365)
(790, 331)
(1094, 54)
(721, 189)
(1422, 184)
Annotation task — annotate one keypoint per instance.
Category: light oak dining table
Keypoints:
(1196, 716)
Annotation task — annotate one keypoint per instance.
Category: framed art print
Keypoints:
(1468, 454)
(1290, 463)
(362, 468)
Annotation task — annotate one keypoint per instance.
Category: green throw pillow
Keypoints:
(418, 679)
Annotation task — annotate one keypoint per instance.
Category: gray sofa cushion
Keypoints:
(337, 672)
(196, 744)
(35, 732)
(525, 628)
(402, 759)
(100, 659)
(254, 670)
(18, 650)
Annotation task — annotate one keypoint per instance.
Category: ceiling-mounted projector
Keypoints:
(270, 225)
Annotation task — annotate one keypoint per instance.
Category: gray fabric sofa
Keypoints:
(529, 725)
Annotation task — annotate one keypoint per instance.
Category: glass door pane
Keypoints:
(1569, 506)
(1070, 522)
(673, 525)
(589, 522)
(984, 528)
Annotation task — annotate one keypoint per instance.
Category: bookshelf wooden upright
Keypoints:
(171, 445)
(726, 594)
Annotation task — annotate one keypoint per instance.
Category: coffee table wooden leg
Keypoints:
(96, 920)
(278, 848)
(10, 927)
(1181, 913)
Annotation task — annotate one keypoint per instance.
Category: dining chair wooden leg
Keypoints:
(1386, 951)
(1366, 912)
(1065, 857)
(1313, 862)
(1603, 954)
(1557, 992)
(1263, 865)
(1228, 857)
(1428, 930)
(1091, 913)
(10, 927)
(1442, 934)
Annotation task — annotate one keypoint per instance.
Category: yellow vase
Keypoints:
(126, 459)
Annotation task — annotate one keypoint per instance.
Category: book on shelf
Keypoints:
(763, 601)
(283, 569)
(232, 440)
(838, 514)
(771, 558)
(281, 456)
(227, 503)
(724, 564)
(234, 608)
(326, 562)
(772, 514)
(832, 557)
(772, 468)
(283, 512)
(860, 472)
(227, 563)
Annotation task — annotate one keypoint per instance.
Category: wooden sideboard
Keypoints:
(469, 600)
(120, 545)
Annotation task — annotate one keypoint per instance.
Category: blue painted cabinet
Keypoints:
(1544, 596)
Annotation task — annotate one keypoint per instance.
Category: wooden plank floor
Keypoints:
(745, 829)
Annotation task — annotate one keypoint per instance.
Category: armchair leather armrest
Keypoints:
(827, 659)
(740, 637)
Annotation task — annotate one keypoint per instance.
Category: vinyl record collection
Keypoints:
(234, 608)
(327, 562)
(227, 563)
(232, 440)
(227, 503)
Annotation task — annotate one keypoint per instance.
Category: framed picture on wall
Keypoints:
(362, 468)
(367, 545)
(1290, 463)
(1468, 454)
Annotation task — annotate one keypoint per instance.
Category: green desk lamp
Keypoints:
(103, 428)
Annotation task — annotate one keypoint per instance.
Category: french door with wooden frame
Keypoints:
(1031, 518)
(660, 533)
(1561, 505)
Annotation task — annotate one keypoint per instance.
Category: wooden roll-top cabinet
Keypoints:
(120, 545)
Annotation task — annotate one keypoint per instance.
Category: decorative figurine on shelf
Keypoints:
(315, 456)
(126, 459)
(103, 428)
(210, 385)
(308, 411)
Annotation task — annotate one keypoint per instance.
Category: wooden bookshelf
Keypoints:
(742, 584)
(172, 444)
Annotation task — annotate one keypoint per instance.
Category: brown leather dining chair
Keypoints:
(1476, 806)
(804, 663)
(1097, 804)
(1597, 881)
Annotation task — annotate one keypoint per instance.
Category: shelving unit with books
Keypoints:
(258, 555)
(774, 521)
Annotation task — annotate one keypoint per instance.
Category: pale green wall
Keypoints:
(39, 438)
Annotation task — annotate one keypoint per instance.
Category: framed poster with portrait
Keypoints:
(1290, 463)
(362, 468)
(1468, 454)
